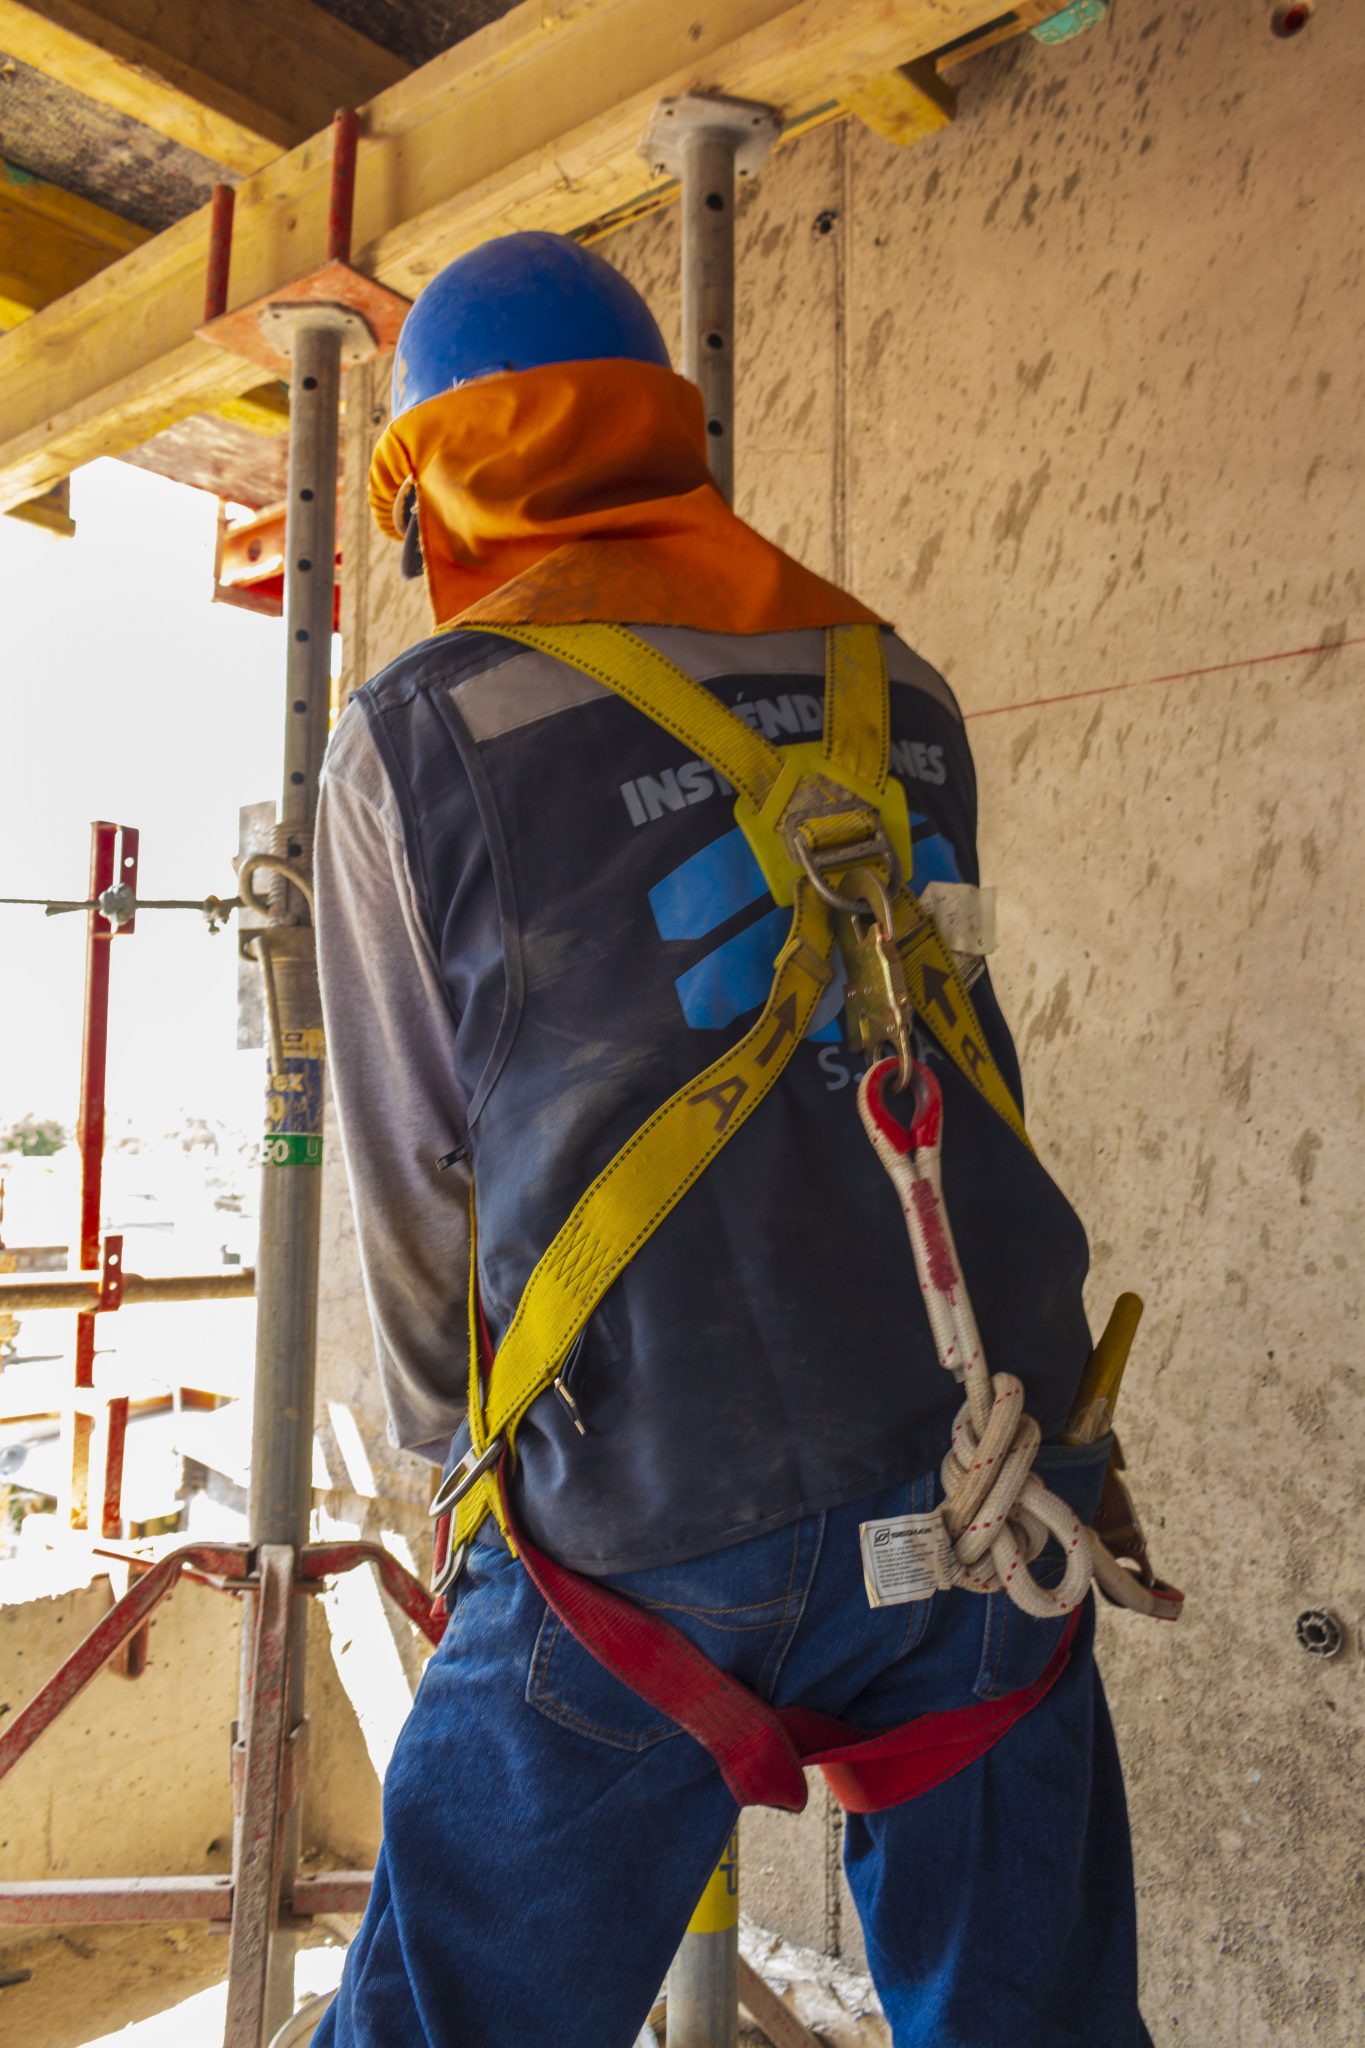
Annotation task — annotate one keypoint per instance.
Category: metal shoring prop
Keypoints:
(709, 143)
(269, 1747)
(307, 331)
(261, 1954)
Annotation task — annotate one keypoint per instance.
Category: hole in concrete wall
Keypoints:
(1287, 20)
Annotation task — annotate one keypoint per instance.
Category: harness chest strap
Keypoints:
(646, 1179)
(856, 751)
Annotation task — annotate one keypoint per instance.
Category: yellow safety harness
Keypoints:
(832, 837)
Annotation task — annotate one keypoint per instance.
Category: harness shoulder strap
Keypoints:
(649, 1176)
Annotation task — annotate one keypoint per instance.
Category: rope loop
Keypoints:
(997, 1512)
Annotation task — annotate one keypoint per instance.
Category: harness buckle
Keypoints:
(816, 861)
(461, 1477)
(878, 1000)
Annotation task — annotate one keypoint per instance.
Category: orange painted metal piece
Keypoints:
(335, 284)
(249, 569)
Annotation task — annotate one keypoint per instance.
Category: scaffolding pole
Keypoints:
(709, 143)
(261, 1957)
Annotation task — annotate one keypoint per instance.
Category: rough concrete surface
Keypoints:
(1073, 391)
(163, 1987)
(139, 1987)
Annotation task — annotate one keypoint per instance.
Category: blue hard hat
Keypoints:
(515, 304)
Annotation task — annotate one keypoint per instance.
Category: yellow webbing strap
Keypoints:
(857, 705)
(634, 1193)
(939, 998)
(648, 1177)
(666, 694)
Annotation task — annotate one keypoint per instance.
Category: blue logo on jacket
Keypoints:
(713, 887)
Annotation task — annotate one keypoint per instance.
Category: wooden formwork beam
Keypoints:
(905, 105)
(237, 80)
(51, 241)
(533, 122)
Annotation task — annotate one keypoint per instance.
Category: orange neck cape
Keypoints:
(581, 492)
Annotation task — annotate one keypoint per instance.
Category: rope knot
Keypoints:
(998, 1513)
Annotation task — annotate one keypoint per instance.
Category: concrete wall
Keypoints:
(1074, 392)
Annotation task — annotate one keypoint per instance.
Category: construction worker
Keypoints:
(540, 917)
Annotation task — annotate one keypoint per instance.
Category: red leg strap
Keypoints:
(753, 1751)
(760, 1750)
(867, 1773)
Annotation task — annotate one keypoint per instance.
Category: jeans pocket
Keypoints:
(1016, 1648)
(570, 1687)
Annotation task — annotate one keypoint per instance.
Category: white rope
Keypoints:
(997, 1514)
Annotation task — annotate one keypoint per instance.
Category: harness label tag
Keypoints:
(907, 1557)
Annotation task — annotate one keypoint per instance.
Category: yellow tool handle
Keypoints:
(1092, 1413)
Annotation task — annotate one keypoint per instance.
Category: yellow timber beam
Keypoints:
(904, 105)
(51, 241)
(533, 122)
(237, 80)
(52, 511)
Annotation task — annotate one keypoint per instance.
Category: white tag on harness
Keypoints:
(907, 1557)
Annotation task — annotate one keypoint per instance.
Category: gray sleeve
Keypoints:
(390, 1049)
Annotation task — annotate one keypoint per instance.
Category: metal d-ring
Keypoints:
(861, 852)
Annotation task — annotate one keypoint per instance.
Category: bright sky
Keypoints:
(126, 694)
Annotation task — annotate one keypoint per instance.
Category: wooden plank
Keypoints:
(220, 455)
(236, 80)
(905, 105)
(53, 513)
(51, 241)
(772, 2014)
(535, 121)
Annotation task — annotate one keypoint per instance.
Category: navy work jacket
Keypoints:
(539, 919)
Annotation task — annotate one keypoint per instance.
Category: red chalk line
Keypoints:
(1185, 675)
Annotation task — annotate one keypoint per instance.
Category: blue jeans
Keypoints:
(547, 1834)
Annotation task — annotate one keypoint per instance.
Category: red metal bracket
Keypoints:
(379, 313)
(229, 1568)
(113, 875)
(111, 1277)
(113, 863)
